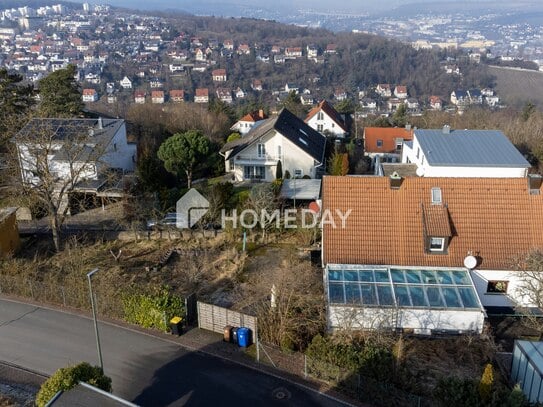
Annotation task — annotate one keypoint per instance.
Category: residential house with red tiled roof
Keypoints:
(139, 97)
(435, 102)
(330, 49)
(90, 95)
(326, 120)
(219, 75)
(228, 44)
(247, 122)
(386, 142)
(244, 49)
(293, 52)
(157, 96)
(426, 255)
(400, 92)
(201, 95)
(177, 95)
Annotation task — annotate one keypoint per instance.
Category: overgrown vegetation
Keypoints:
(151, 309)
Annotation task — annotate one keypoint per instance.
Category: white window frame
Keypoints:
(261, 150)
(320, 116)
(436, 196)
(434, 241)
(298, 173)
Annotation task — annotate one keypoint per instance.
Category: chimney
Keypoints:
(100, 124)
(446, 129)
(395, 180)
(261, 113)
(534, 184)
(408, 127)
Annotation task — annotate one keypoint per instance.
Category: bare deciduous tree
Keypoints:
(531, 288)
(50, 157)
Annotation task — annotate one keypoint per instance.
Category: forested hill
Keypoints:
(361, 61)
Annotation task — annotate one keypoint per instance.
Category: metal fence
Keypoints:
(108, 302)
(57, 294)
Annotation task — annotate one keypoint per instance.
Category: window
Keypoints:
(436, 196)
(320, 116)
(437, 244)
(298, 173)
(379, 143)
(261, 151)
(399, 144)
(254, 172)
(319, 127)
(279, 152)
(497, 287)
(418, 153)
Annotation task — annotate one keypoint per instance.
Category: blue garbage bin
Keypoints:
(244, 337)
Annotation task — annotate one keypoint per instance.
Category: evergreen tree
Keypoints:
(16, 101)
(60, 94)
(279, 170)
(183, 153)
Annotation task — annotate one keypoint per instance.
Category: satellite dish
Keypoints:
(470, 262)
(420, 172)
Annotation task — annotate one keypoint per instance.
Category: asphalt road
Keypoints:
(146, 370)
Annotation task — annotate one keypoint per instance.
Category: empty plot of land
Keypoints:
(516, 87)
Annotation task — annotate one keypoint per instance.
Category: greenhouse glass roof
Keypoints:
(401, 287)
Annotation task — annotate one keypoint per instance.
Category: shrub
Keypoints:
(152, 310)
(486, 383)
(453, 391)
(68, 377)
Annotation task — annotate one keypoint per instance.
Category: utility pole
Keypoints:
(93, 305)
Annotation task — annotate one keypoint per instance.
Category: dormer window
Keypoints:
(436, 196)
(379, 143)
(437, 244)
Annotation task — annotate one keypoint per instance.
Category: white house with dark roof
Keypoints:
(98, 145)
(464, 153)
(283, 138)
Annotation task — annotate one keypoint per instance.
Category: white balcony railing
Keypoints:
(259, 157)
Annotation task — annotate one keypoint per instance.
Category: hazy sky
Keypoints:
(321, 5)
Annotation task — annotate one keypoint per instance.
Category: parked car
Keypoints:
(170, 219)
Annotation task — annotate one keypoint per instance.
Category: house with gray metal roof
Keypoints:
(464, 153)
(284, 138)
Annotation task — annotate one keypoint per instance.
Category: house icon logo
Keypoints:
(190, 208)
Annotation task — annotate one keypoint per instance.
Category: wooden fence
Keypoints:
(214, 318)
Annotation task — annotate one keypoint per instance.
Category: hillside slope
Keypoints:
(517, 87)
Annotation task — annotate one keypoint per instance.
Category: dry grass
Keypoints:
(428, 360)
(6, 401)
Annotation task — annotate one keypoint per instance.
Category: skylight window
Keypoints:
(303, 141)
(436, 196)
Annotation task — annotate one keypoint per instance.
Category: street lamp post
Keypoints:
(89, 275)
